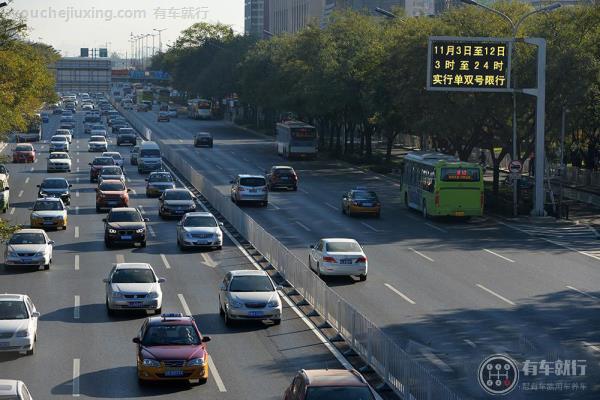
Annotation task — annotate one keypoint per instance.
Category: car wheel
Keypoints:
(219, 247)
(228, 321)
(363, 277)
(143, 244)
(32, 350)
(4, 210)
(309, 263)
(47, 266)
(91, 180)
(277, 321)
(107, 243)
(221, 312)
(109, 311)
(158, 311)
(319, 271)
(378, 215)
(202, 381)
(343, 209)
(98, 209)
(295, 188)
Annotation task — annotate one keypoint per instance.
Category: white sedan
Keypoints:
(59, 143)
(59, 161)
(116, 156)
(18, 323)
(97, 143)
(65, 132)
(133, 286)
(29, 247)
(340, 257)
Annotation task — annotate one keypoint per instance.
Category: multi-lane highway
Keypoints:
(450, 292)
(81, 351)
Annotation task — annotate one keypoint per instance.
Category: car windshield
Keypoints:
(13, 310)
(47, 205)
(338, 393)
(342, 247)
(138, 275)
(27, 238)
(251, 283)
(116, 156)
(111, 171)
(54, 184)
(150, 153)
(364, 195)
(24, 148)
(58, 139)
(160, 178)
(171, 335)
(284, 171)
(97, 139)
(254, 182)
(124, 216)
(103, 161)
(111, 187)
(54, 156)
(178, 195)
(200, 222)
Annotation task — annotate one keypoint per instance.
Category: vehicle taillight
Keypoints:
(361, 260)
(329, 259)
(437, 199)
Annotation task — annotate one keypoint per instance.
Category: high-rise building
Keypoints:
(254, 17)
(293, 15)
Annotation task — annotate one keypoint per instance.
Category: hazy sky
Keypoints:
(71, 24)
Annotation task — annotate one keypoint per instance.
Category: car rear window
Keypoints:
(103, 161)
(150, 153)
(97, 139)
(160, 178)
(178, 195)
(111, 171)
(45, 205)
(338, 393)
(253, 182)
(111, 187)
(364, 195)
(23, 148)
(342, 247)
(171, 335)
(284, 171)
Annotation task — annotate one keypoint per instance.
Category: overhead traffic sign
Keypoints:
(472, 64)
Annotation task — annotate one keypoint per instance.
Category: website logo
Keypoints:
(498, 374)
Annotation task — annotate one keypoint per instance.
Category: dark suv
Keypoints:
(97, 164)
(124, 225)
(126, 135)
(282, 177)
(329, 384)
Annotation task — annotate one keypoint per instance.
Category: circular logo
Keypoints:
(498, 374)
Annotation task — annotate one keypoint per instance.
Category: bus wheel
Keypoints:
(425, 214)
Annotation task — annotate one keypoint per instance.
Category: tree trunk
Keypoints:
(369, 142)
(389, 146)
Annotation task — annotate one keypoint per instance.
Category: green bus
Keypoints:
(441, 185)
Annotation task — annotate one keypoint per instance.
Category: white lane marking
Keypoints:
(332, 349)
(436, 227)
(246, 159)
(306, 228)
(77, 161)
(77, 179)
(208, 260)
(399, 293)
(215, 374)
(370, 227)
(499, 255)
(36, 160)
(76, 262)
(151, 231)
(591, 346)
(26, 180)
(421, 254)
(76, 232)
(331, 206)
(76, 209)
(76, 308)
(77, 193)
(435, 360)
(42, 147)
(470, 343)
(582, 292)
(20, 194)
(12, 211)
(184, 304)
(76, 368)
(180, 141)
(490, 291)
(303, 191)
(275, 206)
(165, 261)
(77, 168)
(120, 258)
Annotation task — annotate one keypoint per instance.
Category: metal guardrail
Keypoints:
(402, 374)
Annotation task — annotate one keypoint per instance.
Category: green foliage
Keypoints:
(6, 229)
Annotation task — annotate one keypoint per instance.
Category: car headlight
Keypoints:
(23, 333)
(39, 253)
(273, 303)
(35, 216)
(117, 295)
(111, 230)
(141, 230)
(150, 362)
(235, 304)
(12, 254)
(153, 295)
(196, 362)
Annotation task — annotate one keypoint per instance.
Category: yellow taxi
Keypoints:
(171, 348)
(48, 212)
(360, 200)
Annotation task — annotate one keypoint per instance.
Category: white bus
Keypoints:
(296, 139)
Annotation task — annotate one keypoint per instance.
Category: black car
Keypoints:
(126, 135)
(203, 139)
(55, 187)
(124, 225)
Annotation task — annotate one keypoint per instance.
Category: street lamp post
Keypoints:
(159, 38)
(541, 92)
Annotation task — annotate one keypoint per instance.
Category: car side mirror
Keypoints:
(103, 219)
(206, 339)
(96, 189)
(161, 280)
(146, 179)
(70, 185)
(35, 314)
(231, 182)
(222, 286)
(136, 340)
(37, 185)
(312, 246)
(51, 242)
(221, 224)
(89, 163)
(278, 287)
(105, 280)
(128, 190)
(6, 188)
(146, 219)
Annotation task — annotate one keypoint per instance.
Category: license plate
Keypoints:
(252, 190)
(135, 304)
(285, 178)
(48, 223)
(126, 237)
(255, 313)
(26, 260)
(201, 242)
(346, 261)
(112, 203)
(367, 204)
(174, 372)
(459, 214)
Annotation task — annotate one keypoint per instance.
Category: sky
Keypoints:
(69, 25)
